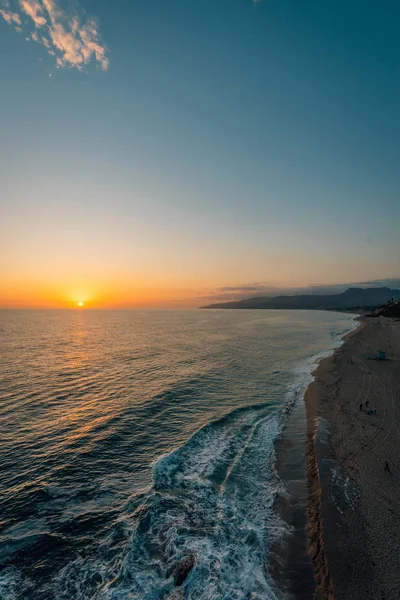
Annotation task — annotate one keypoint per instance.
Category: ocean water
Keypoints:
(130, 440)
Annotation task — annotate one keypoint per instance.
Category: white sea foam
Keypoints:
(212, 497)
(306, 368)
(9, 581)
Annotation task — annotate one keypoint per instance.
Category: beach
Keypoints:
(353, 466)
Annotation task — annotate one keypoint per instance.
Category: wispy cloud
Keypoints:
(10, 17)
(66, 34)
(34, 10)
(236, 292)
(253, 287)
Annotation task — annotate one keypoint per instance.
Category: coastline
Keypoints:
(353, 518)
(290, 562)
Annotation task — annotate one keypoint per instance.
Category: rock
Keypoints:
(181, 569)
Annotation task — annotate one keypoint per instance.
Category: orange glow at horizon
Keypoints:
(95, 295)
(87, 289)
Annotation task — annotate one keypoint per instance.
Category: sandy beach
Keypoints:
(353, 465)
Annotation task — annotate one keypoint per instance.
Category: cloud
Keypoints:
(236, 292)
(254, 287)
(67, 35)
(10, 17)
(34, 10)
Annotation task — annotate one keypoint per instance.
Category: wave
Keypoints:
(211, 499)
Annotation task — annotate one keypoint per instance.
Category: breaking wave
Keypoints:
(211, 499)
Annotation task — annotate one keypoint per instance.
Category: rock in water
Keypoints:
(180, 570)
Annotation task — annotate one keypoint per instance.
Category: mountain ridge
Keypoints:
(353, 297)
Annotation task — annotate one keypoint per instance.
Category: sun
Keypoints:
(80, 304)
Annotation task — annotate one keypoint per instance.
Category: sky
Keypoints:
(155, 153)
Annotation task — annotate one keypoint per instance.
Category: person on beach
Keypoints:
(387, 468)
(361, 406)
(366, 404)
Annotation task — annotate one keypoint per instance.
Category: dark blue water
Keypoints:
(130, 440)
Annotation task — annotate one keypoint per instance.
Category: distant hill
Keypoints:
(353, 298)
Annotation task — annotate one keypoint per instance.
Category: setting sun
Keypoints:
(79, 303)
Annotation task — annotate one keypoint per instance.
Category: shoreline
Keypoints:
(290, 561)
(315, 526)
(353, 520)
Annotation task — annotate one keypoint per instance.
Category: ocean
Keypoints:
(131, 441)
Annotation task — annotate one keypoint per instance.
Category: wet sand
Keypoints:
(289, 562)
(354, 503)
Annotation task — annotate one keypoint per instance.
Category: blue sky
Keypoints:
(189, 145)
